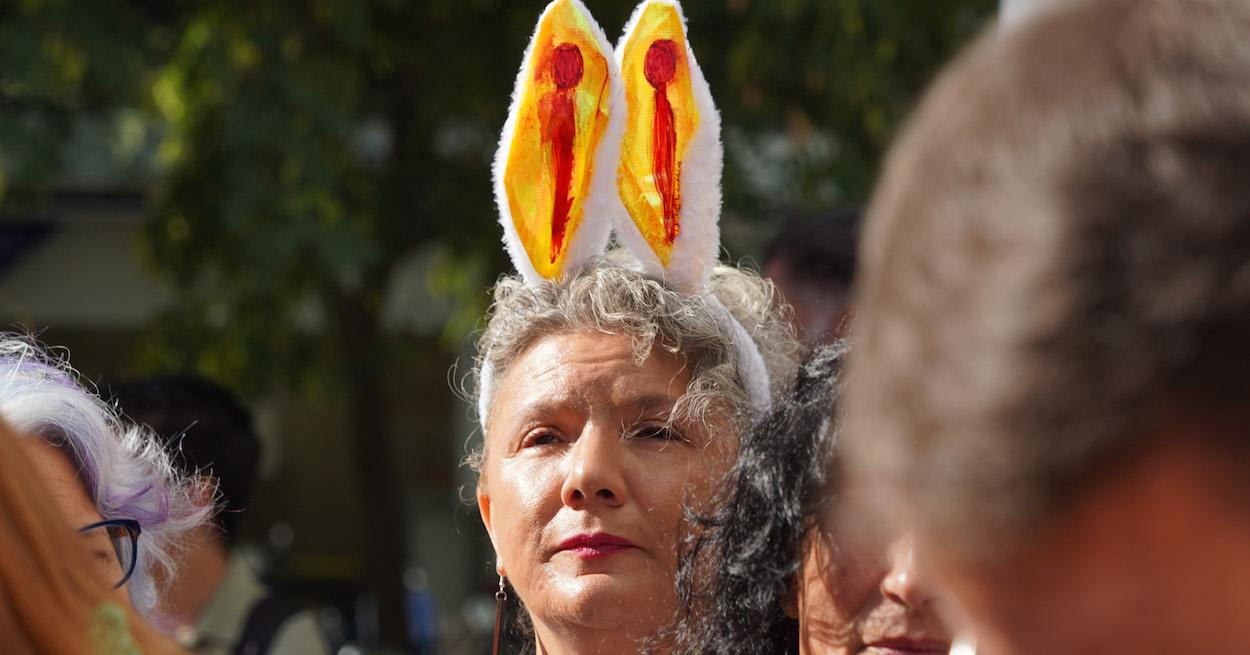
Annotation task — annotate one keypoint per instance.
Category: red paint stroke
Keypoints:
(660, 67)
(560, 129)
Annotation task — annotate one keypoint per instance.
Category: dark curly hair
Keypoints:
(740, 563)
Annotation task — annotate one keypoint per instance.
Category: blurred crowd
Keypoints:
(1002, 409)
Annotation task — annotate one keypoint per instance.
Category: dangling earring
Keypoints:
(500, 597)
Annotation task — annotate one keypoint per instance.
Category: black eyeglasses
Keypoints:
(123, 537)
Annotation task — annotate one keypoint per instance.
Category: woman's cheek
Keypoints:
(531, 498)
(667, 490)
(703, 473)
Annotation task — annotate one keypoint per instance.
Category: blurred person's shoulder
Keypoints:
(244, 609)
(300, 635)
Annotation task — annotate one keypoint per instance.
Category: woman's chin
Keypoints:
(607, 600)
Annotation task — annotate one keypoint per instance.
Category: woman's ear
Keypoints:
(483, 507)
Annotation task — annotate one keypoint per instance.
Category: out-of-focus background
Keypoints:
(294, 199)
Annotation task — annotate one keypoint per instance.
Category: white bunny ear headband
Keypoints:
(629, 141)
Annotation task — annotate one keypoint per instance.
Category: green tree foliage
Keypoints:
(310, 146)
(814, 89)
(61, 63)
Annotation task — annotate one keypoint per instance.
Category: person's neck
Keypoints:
(562, 639)
(200, 573)
(1160, 546)
(1203, 528)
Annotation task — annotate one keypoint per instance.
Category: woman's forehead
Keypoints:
(592, 357)
(569, 370)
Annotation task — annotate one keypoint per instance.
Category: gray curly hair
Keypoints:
(609, 296)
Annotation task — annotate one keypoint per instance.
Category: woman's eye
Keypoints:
(655, 432)
(540, 438)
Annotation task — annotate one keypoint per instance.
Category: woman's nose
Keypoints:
(594, 471)
(901, 583)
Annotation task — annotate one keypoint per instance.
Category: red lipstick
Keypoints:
(596, 545)
(906, 646)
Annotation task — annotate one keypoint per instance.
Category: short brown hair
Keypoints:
(1057, 260)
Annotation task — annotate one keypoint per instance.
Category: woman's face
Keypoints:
(862, 596)
(70, 497)
(584, 482)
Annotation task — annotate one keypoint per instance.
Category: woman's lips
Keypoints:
(596, 545)
(908, 647)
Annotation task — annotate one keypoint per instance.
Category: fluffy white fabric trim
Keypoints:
(751, 366)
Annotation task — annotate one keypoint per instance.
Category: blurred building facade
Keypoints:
(71, 275)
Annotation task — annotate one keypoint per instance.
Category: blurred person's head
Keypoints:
(781, 565)
(616, 401)
(99, 468)
(208, 433)
(52, 599)
(1052, 371)
(209, 436)
(811, 259)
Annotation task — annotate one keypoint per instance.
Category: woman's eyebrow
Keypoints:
(651, 402)
(543, 409)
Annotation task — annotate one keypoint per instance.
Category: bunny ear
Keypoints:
(553, 170)
(671, 155)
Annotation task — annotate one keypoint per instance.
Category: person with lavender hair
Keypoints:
(114, 480)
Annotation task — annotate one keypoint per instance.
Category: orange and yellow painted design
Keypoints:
(661, 119)
(561, 116)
